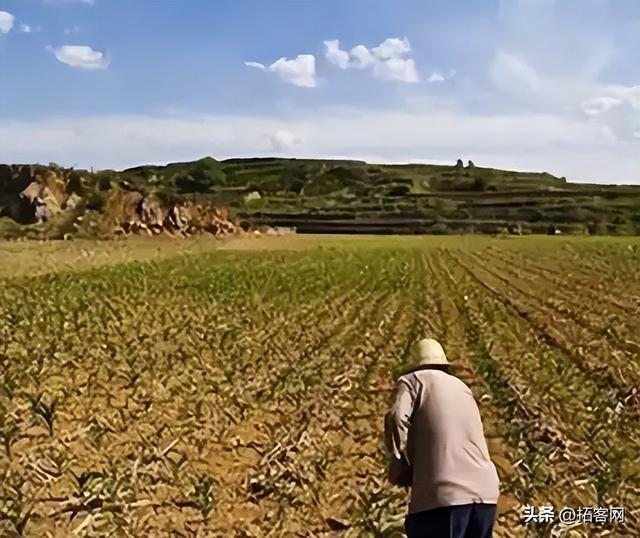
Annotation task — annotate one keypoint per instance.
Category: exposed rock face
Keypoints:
(124, 208)
(31, 195)
(131, 211)
(28, 195)
(459, 164)
(152, 212)
(74, 201)
(47, 195)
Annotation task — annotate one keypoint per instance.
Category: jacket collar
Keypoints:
(446, 368)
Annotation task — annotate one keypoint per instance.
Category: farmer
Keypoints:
(436, 446)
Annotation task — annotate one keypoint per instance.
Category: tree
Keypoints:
(187, 184)
(207, 172)
(74, 182)
(199, 177)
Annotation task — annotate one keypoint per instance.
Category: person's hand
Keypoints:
(400, 473)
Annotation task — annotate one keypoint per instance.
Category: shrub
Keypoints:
(10, 229)
(440, 228)
(95, 201)
(399, 190)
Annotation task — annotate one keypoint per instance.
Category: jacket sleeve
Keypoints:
(396, 431)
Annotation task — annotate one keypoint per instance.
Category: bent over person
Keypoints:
(436, 445)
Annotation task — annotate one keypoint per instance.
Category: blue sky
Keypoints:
(525, 84)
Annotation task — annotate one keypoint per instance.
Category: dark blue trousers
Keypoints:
(464, 521)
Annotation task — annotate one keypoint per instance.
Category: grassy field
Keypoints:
(202, 388)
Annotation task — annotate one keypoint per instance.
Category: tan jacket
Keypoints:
(436, 442)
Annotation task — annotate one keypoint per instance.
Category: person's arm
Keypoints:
(396, 429)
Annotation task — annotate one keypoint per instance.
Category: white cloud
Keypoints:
(612, 110)
(80, 56)
(300, 71)
(360, 57)
(615, 97)
(511, 74)
(617, 108)
(600, 105)
(436, 77)
(396, 69)
(386, 59)
(6, 22)
(282, 140)
(569, 146)
(629, 94)
(25, 28)
(558, 94)
(390, 48)
(336, 56)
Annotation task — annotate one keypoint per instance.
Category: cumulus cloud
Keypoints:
(618, 109)
(615, 97)
(301, 71)
(436, 77)
(600, 105)
(6, 22)
(387, 59)
(396, 69)
(512, 74)
(80, 56)
(392, 47)
(360, 57)
(282, 140)
(614, 111)
(25, 28)
(628, 94)
(335, 55)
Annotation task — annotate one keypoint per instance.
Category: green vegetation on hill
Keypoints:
(357, 197)
(326, 196)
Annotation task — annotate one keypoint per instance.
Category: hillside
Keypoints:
(330, 196)
(356, 197)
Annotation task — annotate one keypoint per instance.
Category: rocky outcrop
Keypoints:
(31, 194)
(39, 194)
(252, 196)
(131, 211)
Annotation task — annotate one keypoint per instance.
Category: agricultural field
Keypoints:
(239, 389)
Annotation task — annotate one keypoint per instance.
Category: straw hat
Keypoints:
(428, 351)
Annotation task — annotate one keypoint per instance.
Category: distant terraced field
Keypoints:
(238, 388)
